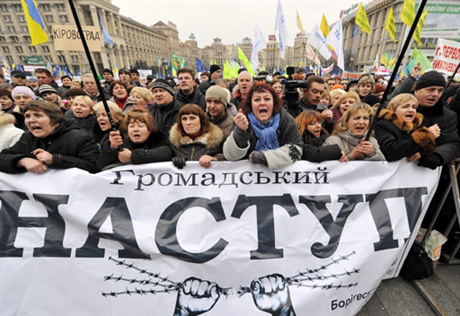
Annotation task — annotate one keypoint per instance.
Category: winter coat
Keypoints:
(209, 143)
(399, 139)
(86, 124)
(196, 98)
(69, 146)
(348, 141)
(224, 122)
(98, 96)
(128, 103)
(154, 149)
(314, 151)
(9, 134)
(240, 144)
(165, 115)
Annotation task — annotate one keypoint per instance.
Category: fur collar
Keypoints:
(7, 119)
(210, 139)
(400, 124)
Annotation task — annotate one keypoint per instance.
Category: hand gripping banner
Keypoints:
(235, 239)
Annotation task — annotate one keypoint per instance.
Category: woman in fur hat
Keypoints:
(195, 138)
(399, 130)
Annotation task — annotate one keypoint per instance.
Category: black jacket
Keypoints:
(314, 151)
(196, 98)
(69, 146)
(165, 116)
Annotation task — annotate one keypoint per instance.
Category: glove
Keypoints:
(178, 162)
(431, 161)
(258, 157)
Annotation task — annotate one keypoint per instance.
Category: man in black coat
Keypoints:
(187, 92)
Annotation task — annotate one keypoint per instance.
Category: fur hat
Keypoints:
(163, 84)
(431, 79)
(218, 93)
(214, 68)
(23, 90)
(46, 88)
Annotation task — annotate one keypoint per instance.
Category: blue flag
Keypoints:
(199, 65)
(107, 39)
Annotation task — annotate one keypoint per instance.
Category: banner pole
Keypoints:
(395, 71)
(93, 68)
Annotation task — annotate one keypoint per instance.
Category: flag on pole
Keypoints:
(361, 19)
(335, 40)
(107, 39)
(281, 27)
(407, 13)
(388, 61)
(310, 53)
(257, 45)
(183, 62)
(199, 65)
(299, 23)
(324, 26)
(317, 40)
(245, 61)
(390, 25)
(174, 65)
(34, 22)
(418, 29)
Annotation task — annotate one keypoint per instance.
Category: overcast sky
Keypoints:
(231, 20)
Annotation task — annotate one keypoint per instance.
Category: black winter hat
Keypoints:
(163, 84)
(214, 68)
(124, 71)
(107, 70)
(431, 79)
(133, 71)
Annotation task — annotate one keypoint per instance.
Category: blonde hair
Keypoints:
(401, 99)
(346, 95)
(113, 107)
(336, 92)
(341, 125)
(143, 92)
(85, 99)
(367, 80)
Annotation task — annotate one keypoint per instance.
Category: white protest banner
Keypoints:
(67, 37)
(235, 239)
(327, 69)
(446, 56)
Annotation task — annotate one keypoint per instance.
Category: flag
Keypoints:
(317, 40)
(49, 67)
(107, 39)
(361, 19)
(299, 23)
(418, 29)
(55, 70)
(183, 63)
(301, 63)
(324, 26)
(335, 40)
(199, 65)
(310, 53)
(281, 27)
(387, 61)
(257, 45)
(227, 72)
(34, 22)
(407, 13)
(245, 61)
(174, 65)
(420, 57)
(390, 25)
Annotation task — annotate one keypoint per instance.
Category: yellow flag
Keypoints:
(407, 14)
(245, 61)
(390, 25)
(418, 30)
(361, 19)
(299, 23)
(324, 26)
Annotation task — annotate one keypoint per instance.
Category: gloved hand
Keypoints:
(178, 162)
(258, 157)
(431, 161)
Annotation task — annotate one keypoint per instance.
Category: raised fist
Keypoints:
(196, 297)
(271, 294)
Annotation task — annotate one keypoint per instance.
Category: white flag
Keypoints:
(258, 44)
(317, 40)
(281, 27)
(310, 53)
(335, 39)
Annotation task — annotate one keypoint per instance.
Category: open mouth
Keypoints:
(360, 129)
(409, 115)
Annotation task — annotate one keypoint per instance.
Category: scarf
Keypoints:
(266, 133)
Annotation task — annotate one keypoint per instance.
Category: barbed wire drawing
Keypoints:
(195, 296)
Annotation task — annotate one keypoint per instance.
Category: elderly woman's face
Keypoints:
(103, 120)
(138, 131)
(39, 123)
(139, 100)
(262, 105)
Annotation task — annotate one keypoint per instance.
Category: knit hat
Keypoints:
(46, 88)
(214, 68)
(107, 70)
(218, 93)
(124, 71)
(133, 71)
(337, 86)
(23, 90)
(163, 84)
(431, 79)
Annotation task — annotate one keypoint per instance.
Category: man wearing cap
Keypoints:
(215, 73)
(44, 77)
(165, 107)
(107, 74)
(135, 77)
(18, 78)
(187, 92)
(216, 108)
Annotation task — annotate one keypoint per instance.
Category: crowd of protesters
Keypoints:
(44, 125)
